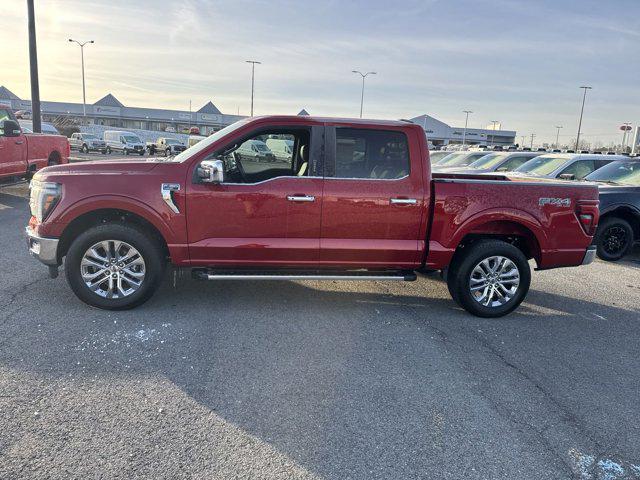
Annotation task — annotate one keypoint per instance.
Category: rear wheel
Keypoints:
(108, 150)
(613, 239)
(167, 152)
(490, 278)
(114, 266)
(84, 149)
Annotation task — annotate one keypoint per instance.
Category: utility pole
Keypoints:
(523, 137)
(584, 97)
(33, 63)
(558, 127)
(466, 122)
(364, 75)
(533, 135)
(253, 73)
(84, 95)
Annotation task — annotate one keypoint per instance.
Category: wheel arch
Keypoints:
(627, 213)
(525, 235)
(107, 215)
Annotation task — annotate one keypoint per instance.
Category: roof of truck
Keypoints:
(352, 121)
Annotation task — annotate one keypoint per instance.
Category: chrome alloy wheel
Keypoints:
(112, 269)
(494, 281)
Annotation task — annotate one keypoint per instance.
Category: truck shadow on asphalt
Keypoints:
(346, 383)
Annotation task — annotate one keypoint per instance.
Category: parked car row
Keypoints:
(618, 177)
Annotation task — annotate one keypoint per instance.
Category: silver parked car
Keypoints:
(566, 166)
(87, 142)
(497, 162)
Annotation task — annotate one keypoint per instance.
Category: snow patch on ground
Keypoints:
(587, 467)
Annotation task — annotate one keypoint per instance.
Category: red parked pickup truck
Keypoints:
(21, 155)
(354, 199)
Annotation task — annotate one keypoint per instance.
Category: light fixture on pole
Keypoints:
(466, 122)
(558, 127)
(584, 97)
(625, 127)
(84, 96)
(253, 74)
(33, 69)
(363, 75)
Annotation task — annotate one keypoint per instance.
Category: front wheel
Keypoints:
(489, 278)
(613, 239)
(125, 151)
(108, 150)
(84, 149)
(114, 266)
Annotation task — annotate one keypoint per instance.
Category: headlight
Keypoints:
(43, 198)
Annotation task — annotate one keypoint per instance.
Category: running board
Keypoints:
(212, 274)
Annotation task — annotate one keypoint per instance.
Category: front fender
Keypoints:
(110, 202)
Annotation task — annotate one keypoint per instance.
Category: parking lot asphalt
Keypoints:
(325, 380)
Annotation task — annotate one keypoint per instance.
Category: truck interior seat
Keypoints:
(304, 158)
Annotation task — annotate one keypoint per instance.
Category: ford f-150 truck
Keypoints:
(355, 200)
(22, 154)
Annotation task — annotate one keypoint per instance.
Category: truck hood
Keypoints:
(99, 167)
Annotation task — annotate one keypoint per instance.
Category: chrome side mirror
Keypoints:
(211, 171)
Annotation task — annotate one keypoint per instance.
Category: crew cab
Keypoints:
(166, 146)
(87, 142)
(22, 154)
(355, 201)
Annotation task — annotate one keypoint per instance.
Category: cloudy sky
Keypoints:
(518, 61)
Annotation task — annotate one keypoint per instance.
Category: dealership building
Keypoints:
(440, 134)
(109, 112)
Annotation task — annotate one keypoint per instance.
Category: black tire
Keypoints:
(145, 244)
(84, 149)
(125, 151)
(463, 265)
(167, 152)
(614, 239)
(141, 153)
(108, 150)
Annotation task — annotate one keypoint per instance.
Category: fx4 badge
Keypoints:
(558, 202)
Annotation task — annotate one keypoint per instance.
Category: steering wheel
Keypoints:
(239, 167)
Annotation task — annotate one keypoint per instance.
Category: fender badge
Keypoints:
(558, 202)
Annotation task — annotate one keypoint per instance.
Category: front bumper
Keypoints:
(44, 249)
(590, 255)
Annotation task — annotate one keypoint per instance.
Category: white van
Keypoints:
(125, 142)
(281, 148)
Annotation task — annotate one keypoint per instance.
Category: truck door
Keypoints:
(374, 201)
(13, 150)
(265, 212)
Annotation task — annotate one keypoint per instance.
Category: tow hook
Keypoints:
(53, 271)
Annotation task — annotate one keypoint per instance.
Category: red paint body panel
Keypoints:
(31, 151)
(351, 223)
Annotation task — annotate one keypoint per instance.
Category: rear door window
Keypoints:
(371, 154)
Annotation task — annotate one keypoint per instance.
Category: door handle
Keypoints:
(403, 201)
(303, 198)
(19, 142)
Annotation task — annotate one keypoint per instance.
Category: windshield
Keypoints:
(541, 165)
(488, 161)
(204, 144)
(172, 141)
(624, 173)
(460, 159)
(435, 157)
(87, 136)
(131, 139)
(262, 147)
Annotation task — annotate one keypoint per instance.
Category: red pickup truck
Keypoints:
(21, 155)
(354, 200)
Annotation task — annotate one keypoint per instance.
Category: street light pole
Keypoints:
(624, 137)
(253, 74)
(33, 62)
(584, 97)
(363, 75)
(558, 127)
(493, 137)
(84, 95)
(533, 135)
(466, 122)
